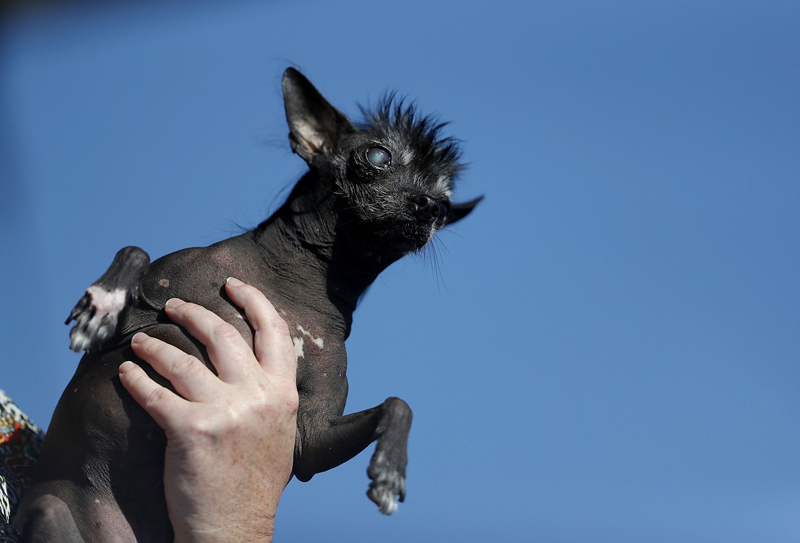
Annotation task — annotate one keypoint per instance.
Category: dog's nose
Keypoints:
(430, 209)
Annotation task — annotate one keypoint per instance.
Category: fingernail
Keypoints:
(232, 281)
(126, 366)
(175, 302)
(138, 338)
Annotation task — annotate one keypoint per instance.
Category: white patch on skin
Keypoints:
(298, 347)
(386, 484)
(107, 302)
(318, 341)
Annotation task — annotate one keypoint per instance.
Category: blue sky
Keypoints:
(606, 350)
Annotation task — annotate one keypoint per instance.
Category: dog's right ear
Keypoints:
(315, 125)
(459, 211)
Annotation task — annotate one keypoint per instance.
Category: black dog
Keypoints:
(373, 194)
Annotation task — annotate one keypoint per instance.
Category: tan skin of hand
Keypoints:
(230, 438)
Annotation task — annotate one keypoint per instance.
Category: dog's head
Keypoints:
(394, 172)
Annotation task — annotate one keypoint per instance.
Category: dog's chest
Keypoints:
(304, 340)
(319, 350)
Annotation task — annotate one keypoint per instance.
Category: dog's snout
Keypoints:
(429, 209)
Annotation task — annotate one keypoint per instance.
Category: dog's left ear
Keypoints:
(459, 211)
(315, 125)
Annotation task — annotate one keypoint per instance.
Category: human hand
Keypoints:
(230, 438)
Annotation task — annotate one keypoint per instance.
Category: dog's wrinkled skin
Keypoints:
(373, 194)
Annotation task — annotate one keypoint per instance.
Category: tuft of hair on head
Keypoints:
(397, 121)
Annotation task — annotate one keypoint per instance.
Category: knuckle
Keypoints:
(226, 332)
(191, 310)
(285, 398)
(151, 346)
(185, 364)
(278, 326)
(154, 398)
(201, 426)
(278, 397)
(292, 401)
(250, 290)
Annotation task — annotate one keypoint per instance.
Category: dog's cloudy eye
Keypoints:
(379, 157)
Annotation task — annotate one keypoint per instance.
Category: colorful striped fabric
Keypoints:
(20, 441)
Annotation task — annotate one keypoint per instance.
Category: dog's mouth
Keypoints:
(411, 236)
(395, 227)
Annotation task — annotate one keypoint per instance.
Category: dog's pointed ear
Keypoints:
(315, 125)
(459, 211)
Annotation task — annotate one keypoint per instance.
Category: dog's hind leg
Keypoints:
(49, 521)
(96, 313)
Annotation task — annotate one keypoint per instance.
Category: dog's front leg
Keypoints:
(325, 442)
(97, 312)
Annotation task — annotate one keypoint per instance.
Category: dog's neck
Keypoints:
(307, 233)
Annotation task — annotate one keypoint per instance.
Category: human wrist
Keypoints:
(256, 531)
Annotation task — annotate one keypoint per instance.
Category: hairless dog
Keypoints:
(374, 192)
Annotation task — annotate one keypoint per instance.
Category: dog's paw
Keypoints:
(96, 318)
(97, 313)
(388, 482)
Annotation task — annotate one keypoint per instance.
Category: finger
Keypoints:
(227, 349)
(272, 343)
(160, 403)
(190, 377)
